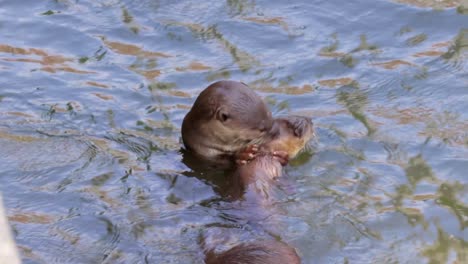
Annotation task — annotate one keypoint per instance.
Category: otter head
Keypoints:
(225, 117)
(290, 134)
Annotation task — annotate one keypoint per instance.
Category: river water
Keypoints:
(93, 93)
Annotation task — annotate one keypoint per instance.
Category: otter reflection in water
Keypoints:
(260, 252)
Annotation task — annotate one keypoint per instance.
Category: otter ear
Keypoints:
(222, 115)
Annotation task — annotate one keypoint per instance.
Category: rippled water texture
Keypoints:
(93, 93)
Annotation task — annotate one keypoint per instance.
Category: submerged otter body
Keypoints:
(226, 117)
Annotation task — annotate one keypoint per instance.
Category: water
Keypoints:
(93, 93)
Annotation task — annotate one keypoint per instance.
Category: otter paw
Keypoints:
(247, 154)
(282, 157)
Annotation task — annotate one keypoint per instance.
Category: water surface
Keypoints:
(93, 93)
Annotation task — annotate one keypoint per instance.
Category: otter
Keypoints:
(252, 191)
(230, 124)
(226, 118)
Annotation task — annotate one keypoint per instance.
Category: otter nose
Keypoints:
(265, 125)
(262, 127)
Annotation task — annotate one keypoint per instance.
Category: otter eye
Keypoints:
(224, 117)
